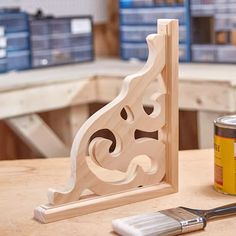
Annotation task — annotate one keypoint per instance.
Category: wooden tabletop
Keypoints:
(24, 183)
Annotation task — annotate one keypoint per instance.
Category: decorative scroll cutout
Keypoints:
(122, 162)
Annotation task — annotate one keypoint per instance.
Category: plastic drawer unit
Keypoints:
(136, 3)
(135, 33)
(18, 60)
(41, 58)
(139, 33)
(68, 40)
(3, 65)
(222, 22)
(226, 53)
(60, 26)
(147, 16)
(134, 51)
(51, 57)
(183, 52)
(57, 41)
(138, 19)
(17, 41)
(62, 56)
(202, 9)
(60, 41)
(40, 43)
(83, 53)
(140, 51)
(203, 53)
(83, 39)
(14, 21)
(39, 27)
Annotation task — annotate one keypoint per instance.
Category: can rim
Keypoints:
(228, 121)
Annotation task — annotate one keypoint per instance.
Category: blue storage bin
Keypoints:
(183, 52)
(150, 15)
(80, 40)
(40, 42)
(17, 41)
(18, 60)
(203, 10)
(182, 34)
(41, 58)
(232, 22)
(139, 33)
(61, 56)
(136, 51)
(136, 33)
(203, 53)
(222, 22)
(14, 22)
(80, 54)
(140, 51)
(51, 57)
(59, 26)
(39, 27)
(60, 41)
(136, 3)
(226, 53)
(3, 65)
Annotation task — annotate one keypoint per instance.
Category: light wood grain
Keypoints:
(38, 135)
(94, 172)
(24, 182)
(43, 98)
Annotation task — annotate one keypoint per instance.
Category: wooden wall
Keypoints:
(107, 35)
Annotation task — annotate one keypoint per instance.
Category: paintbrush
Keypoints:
(169, 222)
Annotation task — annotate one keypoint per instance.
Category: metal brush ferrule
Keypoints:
(189, 221)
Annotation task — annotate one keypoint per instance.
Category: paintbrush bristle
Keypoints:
(146, 225)
(166, 223)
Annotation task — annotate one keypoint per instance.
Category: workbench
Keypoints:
(206, 88)
(24, 184)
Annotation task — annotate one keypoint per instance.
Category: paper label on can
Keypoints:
(225, 164)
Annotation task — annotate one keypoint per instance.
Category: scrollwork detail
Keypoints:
(93, 171)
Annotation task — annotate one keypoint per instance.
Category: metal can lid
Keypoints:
(228, 121)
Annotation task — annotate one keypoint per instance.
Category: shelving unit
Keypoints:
(57, 41)
(14, 40)
(138, 19)
(213, 31)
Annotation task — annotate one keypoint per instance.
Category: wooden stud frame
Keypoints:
(134, 169)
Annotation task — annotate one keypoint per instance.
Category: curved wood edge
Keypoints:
(133, 87)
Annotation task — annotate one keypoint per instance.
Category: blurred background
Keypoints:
(43, 41)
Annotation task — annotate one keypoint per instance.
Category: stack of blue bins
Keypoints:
(14, 40)
(61, 40)
(138, 18)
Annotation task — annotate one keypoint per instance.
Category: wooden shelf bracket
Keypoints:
(124, 168)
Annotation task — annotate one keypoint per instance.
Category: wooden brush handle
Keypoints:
(226, 210)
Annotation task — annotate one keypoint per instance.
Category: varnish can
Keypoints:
(225, 154)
